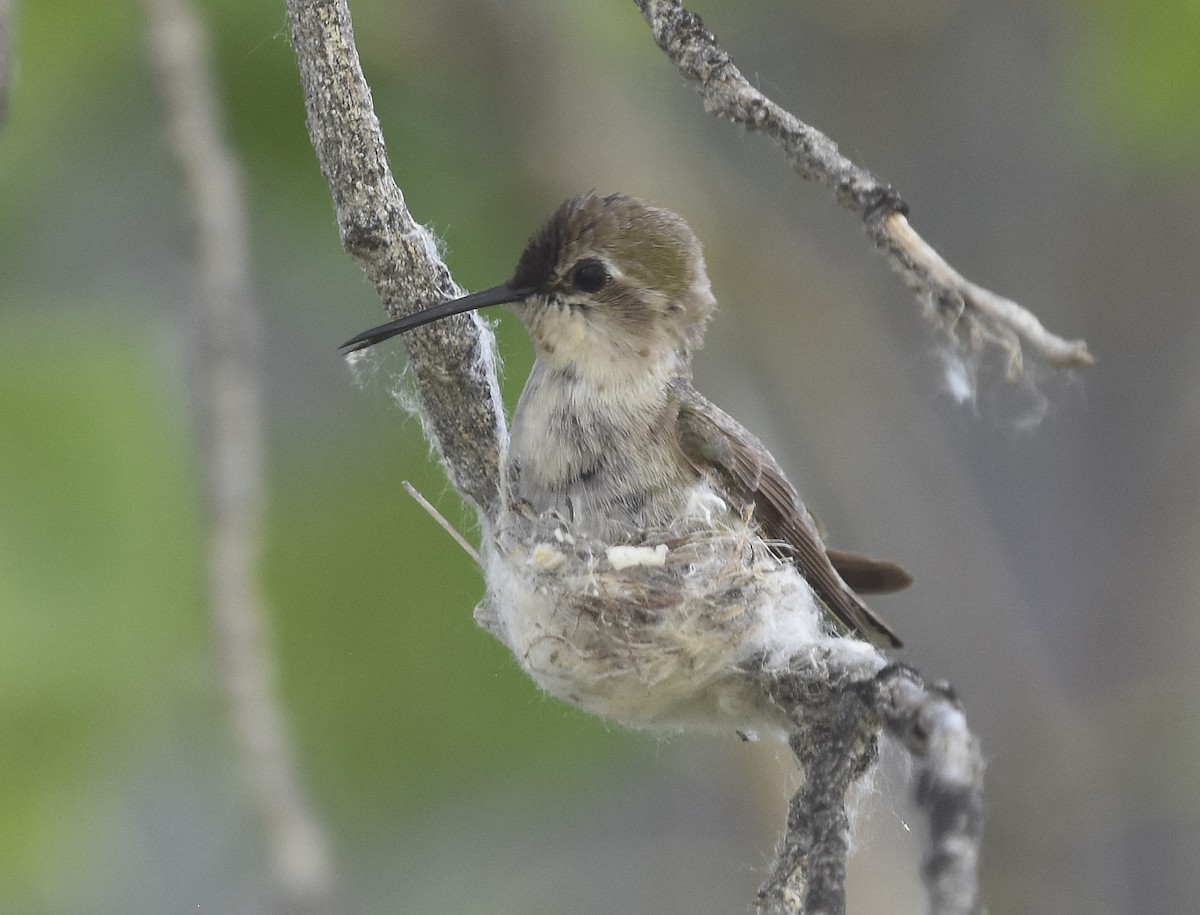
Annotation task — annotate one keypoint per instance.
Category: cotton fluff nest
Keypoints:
(661, 632)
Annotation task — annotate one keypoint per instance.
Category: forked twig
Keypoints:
(974, 317)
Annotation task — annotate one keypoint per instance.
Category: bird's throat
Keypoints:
(601, 453)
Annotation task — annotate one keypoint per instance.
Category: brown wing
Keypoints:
(716, 443)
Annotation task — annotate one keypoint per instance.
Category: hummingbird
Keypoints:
(609, 431)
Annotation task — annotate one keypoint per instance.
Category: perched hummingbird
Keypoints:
(609, 432)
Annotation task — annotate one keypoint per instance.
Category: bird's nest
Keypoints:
(660, 631)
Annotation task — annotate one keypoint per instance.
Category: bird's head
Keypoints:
(606, 285)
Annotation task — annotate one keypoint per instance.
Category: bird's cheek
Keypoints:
(567, 340)
(577, 332)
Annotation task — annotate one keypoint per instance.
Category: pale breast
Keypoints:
(606, 460)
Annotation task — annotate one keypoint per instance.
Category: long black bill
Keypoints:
(497, 295)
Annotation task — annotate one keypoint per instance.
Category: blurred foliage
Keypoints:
(1140, 70)
(99, 596)
(399, 699)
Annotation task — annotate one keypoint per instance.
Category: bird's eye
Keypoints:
(589, 275)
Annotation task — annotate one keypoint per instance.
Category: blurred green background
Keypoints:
(1052, 152)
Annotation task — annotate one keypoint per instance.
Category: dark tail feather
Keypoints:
(869, 576)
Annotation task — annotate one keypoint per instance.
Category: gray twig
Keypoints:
(454, 359)
(809, 874)
(443, 523)
(973, 316)
(836, 726)
(228, 392)
(931, 723)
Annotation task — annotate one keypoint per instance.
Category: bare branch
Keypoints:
(453, 360)
(931, 723)
(442, 522)
(809, 874)
(228, 392)
(835, 726)
(973, 316)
